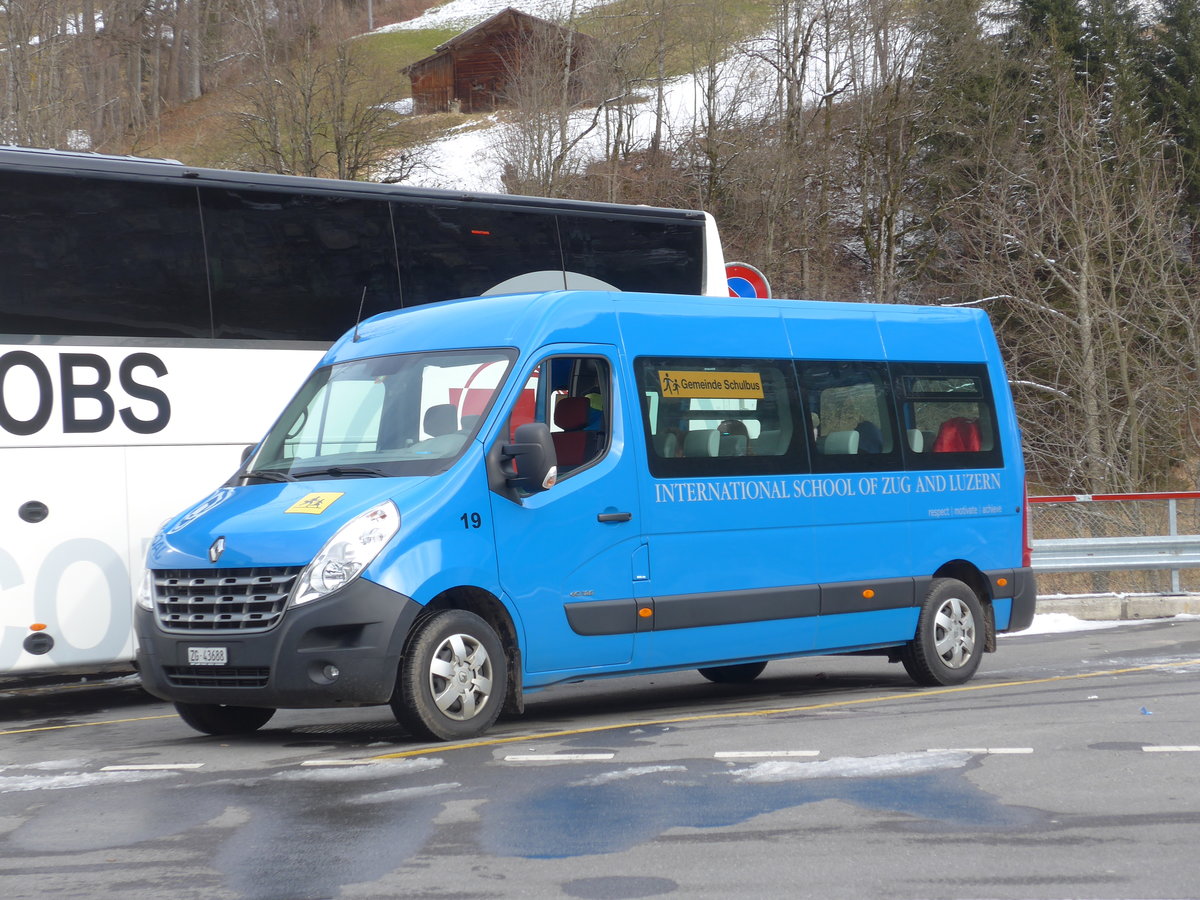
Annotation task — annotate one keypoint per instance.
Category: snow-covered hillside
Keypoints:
(468, 159)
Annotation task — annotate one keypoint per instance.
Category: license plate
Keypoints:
(208, 656)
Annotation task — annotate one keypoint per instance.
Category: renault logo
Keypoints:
(217, 548)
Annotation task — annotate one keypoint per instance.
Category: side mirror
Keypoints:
(529, 462)
(247, 452)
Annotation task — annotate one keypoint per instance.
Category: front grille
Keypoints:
(217, 676)
(222, 599)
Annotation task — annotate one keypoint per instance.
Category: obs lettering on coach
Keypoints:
(86, 388)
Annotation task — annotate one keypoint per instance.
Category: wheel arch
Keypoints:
(488, 607)
(970, 575)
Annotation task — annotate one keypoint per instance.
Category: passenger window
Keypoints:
(572, 394)
(850, 419)
(948, 416)
(718, 416)
(296, 255)
(450, 249)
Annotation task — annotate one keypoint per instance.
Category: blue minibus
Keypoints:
(472, 500)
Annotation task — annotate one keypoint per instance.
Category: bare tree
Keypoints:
(883, 51)
(319, 115)
(555, 91)
(1073, 232)
(41, 90)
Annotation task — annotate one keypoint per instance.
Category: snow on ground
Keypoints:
(411, 793)
(625, 775)
(466, 13)
(469, 159)
(1061, 623)
(381, 769)
(68, 780)
(889, 766)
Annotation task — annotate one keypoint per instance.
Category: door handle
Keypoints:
(614, 517)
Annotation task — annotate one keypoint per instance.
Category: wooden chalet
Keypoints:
(470, 72)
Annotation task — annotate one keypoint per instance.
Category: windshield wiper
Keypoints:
(269, 476)
(339, 471)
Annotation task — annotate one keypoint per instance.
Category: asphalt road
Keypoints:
(1066, 769)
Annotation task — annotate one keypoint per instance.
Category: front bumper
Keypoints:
(358, 631)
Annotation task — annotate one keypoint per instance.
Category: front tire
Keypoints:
(453, 679)
(949, 642)
(213, 718)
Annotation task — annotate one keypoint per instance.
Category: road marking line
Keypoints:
(152, 767)
(993, 750)
(1180, 748)
(762, 754)
(558, 757)
(87, 724)
(337, 762)
(788, 710)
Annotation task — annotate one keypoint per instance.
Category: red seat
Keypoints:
(571, 444)
(958, 435)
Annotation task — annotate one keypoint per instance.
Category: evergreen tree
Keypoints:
(1175, 88)
(1112, 50)
(1051, 24)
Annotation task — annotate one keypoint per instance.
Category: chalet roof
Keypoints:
(506, 17)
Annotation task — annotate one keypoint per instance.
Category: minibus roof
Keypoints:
(676, 325)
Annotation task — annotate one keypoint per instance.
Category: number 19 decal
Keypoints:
(471, 520)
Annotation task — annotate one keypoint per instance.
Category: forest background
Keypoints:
(1036, 158)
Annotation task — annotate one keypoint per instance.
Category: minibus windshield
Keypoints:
(407, 414)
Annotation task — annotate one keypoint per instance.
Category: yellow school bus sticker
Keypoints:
(730, 385)
(313, 504)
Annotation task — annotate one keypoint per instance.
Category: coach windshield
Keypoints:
(407, 414)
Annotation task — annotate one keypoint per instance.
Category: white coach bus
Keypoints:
(155, 318)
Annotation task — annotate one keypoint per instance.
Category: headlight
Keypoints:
(347, 553)
(145, 594)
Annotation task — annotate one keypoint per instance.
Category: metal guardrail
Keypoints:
(1142, 552)
(1117, 554)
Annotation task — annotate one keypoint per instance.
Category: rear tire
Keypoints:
(214, 718)
(453, 678)
(736, 674)
(949, 642)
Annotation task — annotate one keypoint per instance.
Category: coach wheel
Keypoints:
(453, 678)
(738, 674)
(949, 640)
(213, 718)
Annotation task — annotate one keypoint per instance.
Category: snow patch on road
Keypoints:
(889, 766)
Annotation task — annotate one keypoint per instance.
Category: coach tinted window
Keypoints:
(465, 250)
(636, 254)
(948, 416)
(719, 416)
(118, 258)
(304, 263)
(849, 408)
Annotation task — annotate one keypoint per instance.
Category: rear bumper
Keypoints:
(1024, 600)
(341, 650)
